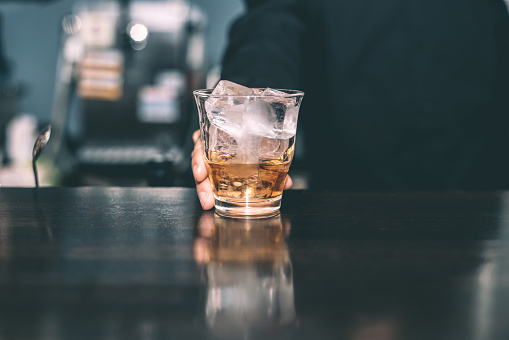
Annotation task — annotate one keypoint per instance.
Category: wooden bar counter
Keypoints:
(148, 263)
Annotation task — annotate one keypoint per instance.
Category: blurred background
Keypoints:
(114, 78)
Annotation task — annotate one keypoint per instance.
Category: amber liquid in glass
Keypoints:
(235, 181)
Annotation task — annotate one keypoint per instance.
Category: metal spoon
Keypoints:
(39, 145)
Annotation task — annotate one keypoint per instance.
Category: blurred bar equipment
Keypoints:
(123, 105)
(39, 145)
(10, 90)
(9, 93)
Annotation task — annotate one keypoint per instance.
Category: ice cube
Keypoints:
(226, 112)
(247, 123)
(259, 119)
(258, 92)
(271, 92)
(272, 147)
(228, 120)
(221, 142)
(257, 123)
(280, 103)
(230, 88)
(278, 96)
(290, 123)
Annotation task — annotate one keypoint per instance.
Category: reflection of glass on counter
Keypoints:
(248, 273)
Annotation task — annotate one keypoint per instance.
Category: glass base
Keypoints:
(243, 209)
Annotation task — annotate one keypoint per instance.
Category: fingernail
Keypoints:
(203, 196)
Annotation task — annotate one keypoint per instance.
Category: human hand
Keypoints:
(201, 175)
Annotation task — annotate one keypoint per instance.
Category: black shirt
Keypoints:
(399, 93)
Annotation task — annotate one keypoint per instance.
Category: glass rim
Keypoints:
(288, 94)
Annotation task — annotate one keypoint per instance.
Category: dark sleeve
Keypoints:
(264, 46)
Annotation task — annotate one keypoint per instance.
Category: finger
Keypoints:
(205, 195)
(288, 182)
(196, 135)
(197, 149)
(200, 172)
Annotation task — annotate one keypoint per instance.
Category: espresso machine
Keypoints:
(124, 111)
